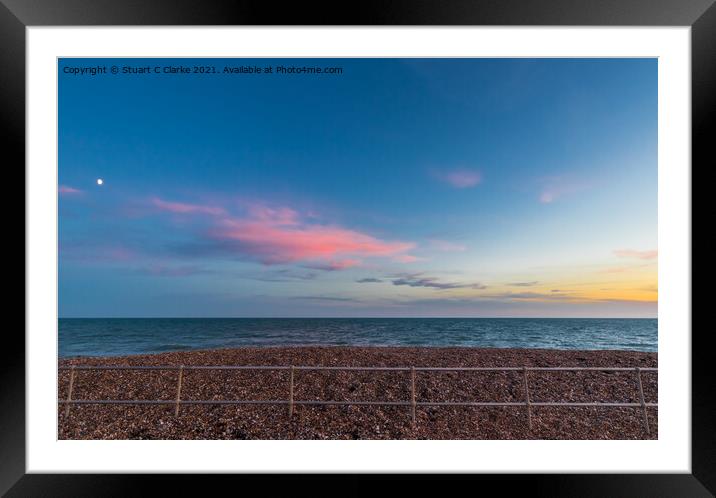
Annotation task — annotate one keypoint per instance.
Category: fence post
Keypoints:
(69, 391)
(290, 395)
(181, 375)
(527, 399)
(412, 392)
(641, 399)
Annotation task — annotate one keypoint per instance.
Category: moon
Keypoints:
(100, 181)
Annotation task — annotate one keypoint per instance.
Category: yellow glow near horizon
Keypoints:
(637, 283)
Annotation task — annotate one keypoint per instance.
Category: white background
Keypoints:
(671, 452)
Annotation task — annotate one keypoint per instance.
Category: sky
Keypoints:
(393, 188)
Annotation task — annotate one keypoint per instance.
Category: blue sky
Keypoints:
(400, 187)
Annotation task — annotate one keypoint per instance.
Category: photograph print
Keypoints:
(358, 248)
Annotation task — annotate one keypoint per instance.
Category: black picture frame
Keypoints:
(16, 15)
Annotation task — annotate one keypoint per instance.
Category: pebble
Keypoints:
(360, 422)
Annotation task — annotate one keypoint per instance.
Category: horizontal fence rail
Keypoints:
(412, 403)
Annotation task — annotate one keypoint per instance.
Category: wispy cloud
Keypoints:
(479, 306)
(280, 235)
(335, 265)
(279, 216)
(460, 178)
(406, 258)
(528, 295)
(369, 280)
(67, 190)
(184, 208)
(632, 254)
(324, 298)
(278, 238)
(418, 280)
(523, 284)
(282, 275)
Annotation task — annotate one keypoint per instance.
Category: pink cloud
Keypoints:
(632, 254)
(461, 178)
(183, 208)
(281, 244)
(280, 236)
(406, 258)
(67, 190)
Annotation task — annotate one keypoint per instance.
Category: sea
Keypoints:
(127, 336)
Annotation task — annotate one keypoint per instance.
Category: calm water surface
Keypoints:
(123, 336)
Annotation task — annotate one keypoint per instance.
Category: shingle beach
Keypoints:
(361, 422)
